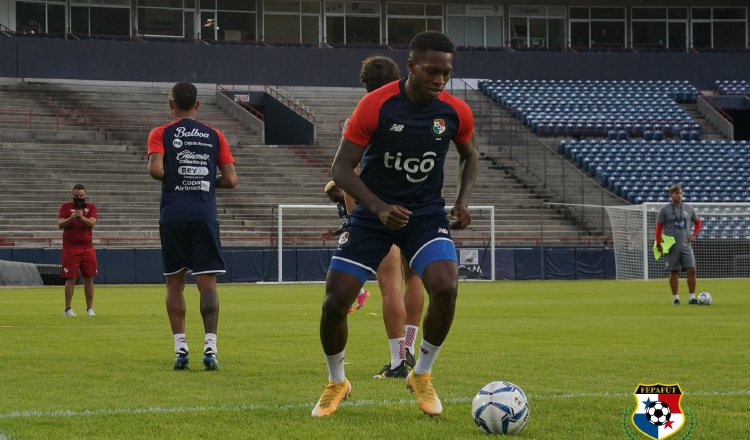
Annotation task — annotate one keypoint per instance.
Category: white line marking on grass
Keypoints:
(257, 407)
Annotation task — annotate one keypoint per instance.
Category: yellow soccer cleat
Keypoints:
(334, 393)
(427, 398)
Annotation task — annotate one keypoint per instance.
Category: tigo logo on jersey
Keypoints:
(438, 126)
(657, 412)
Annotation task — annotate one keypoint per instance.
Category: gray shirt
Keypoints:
(677, 221)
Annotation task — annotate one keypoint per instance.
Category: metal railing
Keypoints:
(276, 94)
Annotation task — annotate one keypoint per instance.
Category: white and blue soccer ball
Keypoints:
(500, 408)
(705, 299)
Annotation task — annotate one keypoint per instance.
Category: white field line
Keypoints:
(256, 407)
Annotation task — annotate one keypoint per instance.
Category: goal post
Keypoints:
(721, 251)
(301, 226)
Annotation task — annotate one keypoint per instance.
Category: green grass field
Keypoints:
(578, 349)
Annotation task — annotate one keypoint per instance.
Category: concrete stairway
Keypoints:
(70, 139)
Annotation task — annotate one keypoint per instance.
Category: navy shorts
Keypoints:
(366, 241)
(191, 246)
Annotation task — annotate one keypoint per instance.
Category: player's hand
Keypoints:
(658, 247)
(459, 217)
(327, 235)
(78, 213)
(394, 216)
(692, 237)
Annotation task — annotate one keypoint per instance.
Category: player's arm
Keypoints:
(349, 200)
(228, 178)
(467, 176)
(89, 222)
(156, 166)
(347, 158)
(155, 149)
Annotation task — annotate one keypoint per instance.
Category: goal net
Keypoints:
(721, 251)
(300, 226)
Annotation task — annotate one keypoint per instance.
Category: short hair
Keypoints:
(78, 186)
(674, 188)
(430, 40)
(378, 71)
(184, 95)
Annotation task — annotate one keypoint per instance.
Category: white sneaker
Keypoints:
(70, 312)
(90, 312)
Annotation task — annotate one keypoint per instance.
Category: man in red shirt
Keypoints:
(77, 219)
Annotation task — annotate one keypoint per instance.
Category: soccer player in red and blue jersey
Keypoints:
(77, 220)
(399, 135)
(184, 156)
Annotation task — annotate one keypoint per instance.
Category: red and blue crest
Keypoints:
(438, 126)
(657, 412)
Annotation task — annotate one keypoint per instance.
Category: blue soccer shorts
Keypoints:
(366, 241)
(191, 246)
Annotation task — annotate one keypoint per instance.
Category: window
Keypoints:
(291, 21)
(537, 26)
(475, 25)
(352, 22)
(664, 28)
(31, 18)
(227, 20)
(719, 28)
(404, 20)
(597, 27)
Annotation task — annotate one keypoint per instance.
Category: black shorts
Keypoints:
(191, 246)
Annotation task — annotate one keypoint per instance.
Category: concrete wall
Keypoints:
(232, 64)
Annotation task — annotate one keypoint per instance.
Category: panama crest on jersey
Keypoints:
(438, 126)
(657, 413)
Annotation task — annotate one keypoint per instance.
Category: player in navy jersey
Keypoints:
(184, 156)
(337, 196)
(401, 313)
(399, 135)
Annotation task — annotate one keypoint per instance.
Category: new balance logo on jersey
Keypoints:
(398, 128)
(417, 168)
(442, 231)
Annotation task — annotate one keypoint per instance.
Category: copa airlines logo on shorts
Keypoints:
(192, 171)
(417, 168)
(182, 132)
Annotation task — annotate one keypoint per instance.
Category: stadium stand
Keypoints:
(641, 171)
(618, 110)
(63, 130)
(733, 87)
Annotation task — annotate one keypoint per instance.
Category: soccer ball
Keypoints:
(500, 408)
(658, 413)
(705, 298)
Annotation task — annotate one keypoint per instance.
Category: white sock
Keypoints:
(210, 342)
(179, 342)
(427, 355)
(675, 296)
(397, 351)
(410, 334)
(692, 295)
(336, 367)
(361, 291)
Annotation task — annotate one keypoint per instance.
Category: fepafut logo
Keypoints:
(658, 413)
